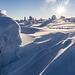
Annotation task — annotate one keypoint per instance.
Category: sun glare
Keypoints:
(60, 10)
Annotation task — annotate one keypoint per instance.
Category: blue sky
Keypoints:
(36, 8)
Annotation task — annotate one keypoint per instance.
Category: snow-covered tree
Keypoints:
(9, 39)
(30, 18)
(53, 17)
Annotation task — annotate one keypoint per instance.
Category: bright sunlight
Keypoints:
(60, 10)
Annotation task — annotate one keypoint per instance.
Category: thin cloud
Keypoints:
(48, 1)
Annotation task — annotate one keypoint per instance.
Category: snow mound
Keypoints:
(9, 30)
(9, 39)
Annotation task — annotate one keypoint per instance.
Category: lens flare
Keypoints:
(67, 2)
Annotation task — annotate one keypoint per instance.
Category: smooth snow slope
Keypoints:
(26, 39)
(49, 50)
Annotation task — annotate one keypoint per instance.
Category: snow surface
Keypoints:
(46, 48)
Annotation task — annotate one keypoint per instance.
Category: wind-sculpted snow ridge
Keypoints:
(45, 23)
(43, 51)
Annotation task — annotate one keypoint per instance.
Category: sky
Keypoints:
(18, 9)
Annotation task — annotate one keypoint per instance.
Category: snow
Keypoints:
(9, 40)
(46, 48)
(59, 53)
(26, 39)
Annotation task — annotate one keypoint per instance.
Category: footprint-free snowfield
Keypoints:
(46, 48)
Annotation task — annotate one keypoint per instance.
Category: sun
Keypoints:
(60, 10)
